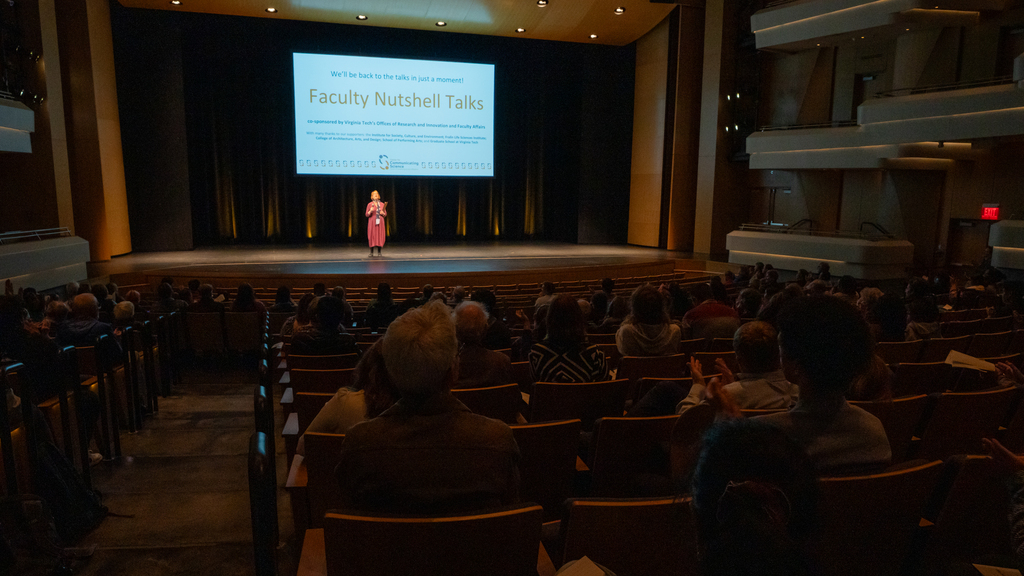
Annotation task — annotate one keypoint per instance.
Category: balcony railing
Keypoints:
(806, 227)
(31, 235)
(946, 87)
(835, 124)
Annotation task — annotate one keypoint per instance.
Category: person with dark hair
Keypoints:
(889, 319)
(755, 501)
(427, 454)
(245, 300)
(598, 309)
(427, 291)
(846, 289)
(647, 331)
(748, 303)
(608, 287)
(922, 311)
(34, 304)
(302, 319)
(498, 336)
(185, 295)
(547, 294)
(324, 338)
(193, 287)
(710, 318)
(339, 293)
(319, 289)
(478, 366)
(718, 291)
(283, 300)
(167, 280)
(824, 272)
(370, 394)
(772, 306)
(563, 355)
(206, 304)
(166, 302)
(825, 344)
(381, 311)
(618, 310)
(680, 301)
(770, 285)
(458, 295)
(802, 278)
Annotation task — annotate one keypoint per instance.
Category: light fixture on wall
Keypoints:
(520, 30)
(542, 3)
(440, 23)
(593, 36)
(620, 11)
(272, 10)
(362, 17)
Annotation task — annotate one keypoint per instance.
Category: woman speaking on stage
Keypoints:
(375, 231)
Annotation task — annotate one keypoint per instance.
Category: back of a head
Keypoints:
(85, 306)
(718, 291)
(847, 285)
(193, 284)
(338, 292)
(302, 310)
(135, 297)
(485, 297)
(99, 291)
(599, 303)
(470, 322)
(827, 340)
(245, 295)
(206, 291)
(71, 289)
(816, 288)
(428, 291)
(548, 287)
(383, 292)
(112, 289)
(757, 347)
(618, 308)
(329, 312)
(750, 300)
(57, 311)
(701, 292)
(164, 291)
(124, 311)
(84, 288)
(167, 280)
(607, 285)
(890, 311)
(755, 495)
(284, 294)
(319, 289)
(566, 326)
(648, 306)
(458, 293)
(420, 350)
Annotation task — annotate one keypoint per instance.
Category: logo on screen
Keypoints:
(300, 163)
(330, 163)
(359, 164)
(385, 164)
(488, 166)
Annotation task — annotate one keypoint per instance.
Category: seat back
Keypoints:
(547, 463)
(936, 349)
(1016, 345)
(644, 385)
(1013, 436)
(959, 328)
(959, 420)
(630, 537)
(326, 362)
(323, 452)
(586, 401)
(307, 405)
(498, 402)
(707, 361)
(913, 378)
(989, 345)
(995, 325)
(327, 381)
(263, 502)
(692, 346)
(205, 331)
(501, 543)
(522, 374)
(633, 368)
(972, 521)
(720, 345)
(243, 331)
(626, 452)
(686, 440)
(900, 418)
(894, 353)
(867, 522)
(601, 338)
(276, 319)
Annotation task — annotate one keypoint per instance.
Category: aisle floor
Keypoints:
(183, 480)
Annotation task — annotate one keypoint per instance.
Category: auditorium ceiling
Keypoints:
(614, 22)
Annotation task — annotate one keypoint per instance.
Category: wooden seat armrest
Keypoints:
(313, 559)
(291, 425)
(297, 477)
(545, 567)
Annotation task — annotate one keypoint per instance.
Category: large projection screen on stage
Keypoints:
(361, 116)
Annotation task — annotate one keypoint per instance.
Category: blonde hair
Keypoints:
(420, 349)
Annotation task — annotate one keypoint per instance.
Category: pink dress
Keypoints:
(375, 230)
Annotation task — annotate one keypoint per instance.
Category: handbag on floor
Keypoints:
(75, 507)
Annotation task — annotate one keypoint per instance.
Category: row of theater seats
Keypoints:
(127, 386)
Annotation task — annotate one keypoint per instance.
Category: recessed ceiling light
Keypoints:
(361, 17)
(593, 36)
(619, 11)
(272, 10)
(542, 3)
(861, 37)
(440, 23)
(520, 30)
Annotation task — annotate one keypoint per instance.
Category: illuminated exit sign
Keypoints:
(990, 211)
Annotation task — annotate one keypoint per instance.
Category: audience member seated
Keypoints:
(772, 306)
(680, 301)
(598, 309)
(166, 302)
(498, 336)
(648, 331)
(57, 314)
(816, 288)
(302, 318)
(547, 294)
(206, 304)
(718, 291)
(323, 337)
(124, 316)
(760, 384)
(748, 303)
(427, 454)
(84, 327)
(339, 293)
(875, 385)
(824, 272)
(846, 289)
(563, 355)
(283, 300)
(319, 289)
(922, 312)
(888, 319)
(426, 292)
(866, 300)
(245, 300)
(618, 310)
(825, 344)
(770, 285)
(371, 394)
(193, 287)
(755, 501)
(381, 311)
(710, 318)
(458, 295)
(35, 305)
(478, 366)
(802, 278)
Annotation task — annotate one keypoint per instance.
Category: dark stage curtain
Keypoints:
(238, 102)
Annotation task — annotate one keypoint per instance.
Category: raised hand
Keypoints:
(695, 371)
(727, 376)
(1007, 370)
(1008, 460)
(718, 397)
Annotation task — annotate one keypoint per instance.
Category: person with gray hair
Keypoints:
(478, 366)
(427, 454)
